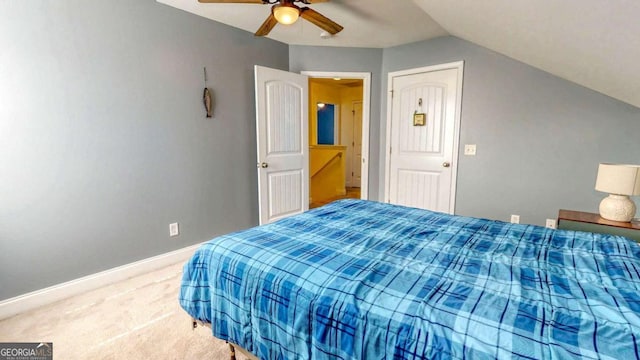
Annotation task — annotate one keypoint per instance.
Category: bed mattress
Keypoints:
(365, 280)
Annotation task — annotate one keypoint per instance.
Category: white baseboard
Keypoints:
(35, 299)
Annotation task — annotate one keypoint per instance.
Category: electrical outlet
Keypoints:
(470, 149)
(551, 223)
(174, 230)
(515, 219)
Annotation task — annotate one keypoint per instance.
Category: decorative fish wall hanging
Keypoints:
(208, 102)
(207, 98)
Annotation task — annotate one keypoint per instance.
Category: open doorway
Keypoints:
(338, 136)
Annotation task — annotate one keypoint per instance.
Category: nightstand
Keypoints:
(584, 221)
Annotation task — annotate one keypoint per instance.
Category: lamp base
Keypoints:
(617, 208)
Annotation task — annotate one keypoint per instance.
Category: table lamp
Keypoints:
(620, 181)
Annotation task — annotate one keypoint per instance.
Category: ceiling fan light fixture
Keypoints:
(286, 14)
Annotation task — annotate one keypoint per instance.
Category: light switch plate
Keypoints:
(174, 230)
(470, 149)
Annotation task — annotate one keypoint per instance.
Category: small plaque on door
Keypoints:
(419, 119)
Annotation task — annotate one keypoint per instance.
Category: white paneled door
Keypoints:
(282, 143)
(422, 154)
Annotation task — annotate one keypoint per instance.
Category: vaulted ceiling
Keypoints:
(593, 43)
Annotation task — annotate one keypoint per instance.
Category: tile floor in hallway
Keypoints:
(352, 193)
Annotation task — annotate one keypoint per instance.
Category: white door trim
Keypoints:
(366, 105)
(459, 66)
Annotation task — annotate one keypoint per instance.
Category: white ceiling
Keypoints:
(367, 23)
(593, 43)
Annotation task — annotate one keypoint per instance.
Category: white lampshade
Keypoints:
(286, 14)
(620, 181)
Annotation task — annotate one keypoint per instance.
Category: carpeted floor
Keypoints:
(139, 318)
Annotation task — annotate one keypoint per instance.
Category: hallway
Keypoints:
(352, 193)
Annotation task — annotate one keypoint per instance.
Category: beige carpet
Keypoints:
(139, 318)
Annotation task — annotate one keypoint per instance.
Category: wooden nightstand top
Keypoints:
(592, 218)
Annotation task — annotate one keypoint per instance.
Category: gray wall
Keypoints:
(104, 140)
(539, 138)
(310, 58)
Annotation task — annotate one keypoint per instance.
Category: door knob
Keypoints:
(264, 165)
(446, 164)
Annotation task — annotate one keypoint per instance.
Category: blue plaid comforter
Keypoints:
(364, 280)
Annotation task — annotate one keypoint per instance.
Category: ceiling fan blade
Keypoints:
(320, 20)
(314, 1)
(267, 25)
(232, 1)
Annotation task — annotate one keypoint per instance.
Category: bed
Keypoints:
(358, 279)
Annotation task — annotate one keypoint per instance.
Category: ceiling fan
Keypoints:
(286, 12)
